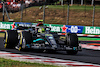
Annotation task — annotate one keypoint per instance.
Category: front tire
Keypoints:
(72, 41)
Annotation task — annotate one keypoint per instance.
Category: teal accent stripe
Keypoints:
(37, 40)
(28, 45)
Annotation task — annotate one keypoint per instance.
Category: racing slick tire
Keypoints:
(25, 38)
(72, 41)
(10, 39)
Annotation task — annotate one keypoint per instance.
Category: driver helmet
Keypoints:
(40, 24)
(41, 30)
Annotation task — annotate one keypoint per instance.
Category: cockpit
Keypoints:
(43, 29)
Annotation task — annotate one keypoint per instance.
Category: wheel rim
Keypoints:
(19, 48)
(68, 40)
(24, 43)
(20, 42)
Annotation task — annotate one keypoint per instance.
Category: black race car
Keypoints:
(39, 37)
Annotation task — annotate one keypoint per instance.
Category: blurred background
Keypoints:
(68, 12)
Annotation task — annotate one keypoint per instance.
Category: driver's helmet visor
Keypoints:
(41, 30)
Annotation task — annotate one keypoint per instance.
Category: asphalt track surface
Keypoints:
(87, 56)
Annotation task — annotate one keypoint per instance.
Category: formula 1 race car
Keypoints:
(39, 37)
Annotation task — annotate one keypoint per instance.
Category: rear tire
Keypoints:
(10, 39)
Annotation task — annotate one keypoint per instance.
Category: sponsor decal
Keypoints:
(48, 34)
(92, 30)
(64, 28)
(5, 25)
(74, 29)
(55, 27)
(13, 25)
(50, 37)
(23, 24)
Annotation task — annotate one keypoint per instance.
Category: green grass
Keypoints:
(88, 39)
(87, 7)
(12, 63)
